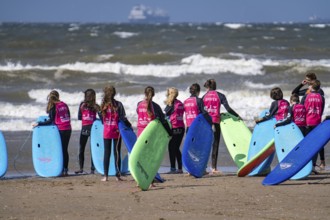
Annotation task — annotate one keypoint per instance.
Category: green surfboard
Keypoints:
(148, 153)
(237, 137)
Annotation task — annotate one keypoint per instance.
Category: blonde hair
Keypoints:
(108, 99)
(52, 98)
(172, 94)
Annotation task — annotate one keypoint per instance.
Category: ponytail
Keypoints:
(149, 93)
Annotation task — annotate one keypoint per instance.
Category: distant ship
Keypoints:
(142, 14)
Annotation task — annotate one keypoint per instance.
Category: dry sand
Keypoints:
(179, 197)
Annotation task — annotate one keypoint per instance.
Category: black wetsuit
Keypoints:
(217, 130)
(116, 143)
(310, 128)
(175, 142)
(272, 111)
(84, 135)
(302, 92)
(289, 119)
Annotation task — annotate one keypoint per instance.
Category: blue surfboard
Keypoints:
(300, 155)
(197, 146)
(262, 135)
(3, 156)
(129, 138)
(286, 138)
(47, 150)
(97, 150)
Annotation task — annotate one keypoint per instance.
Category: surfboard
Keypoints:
(148, 153)
(300, 155)
(129, 138)
(262, 135)
(197, 146)
(3, 156)
(257, 159)
(47, 153)
(286, 138)
(97, 150)
(237, 137)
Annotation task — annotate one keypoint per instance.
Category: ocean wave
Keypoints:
(319, 25)
(259, 85)
(235, 25)
(20, 116)
(74, 27)
(125, 35)
(194, 64)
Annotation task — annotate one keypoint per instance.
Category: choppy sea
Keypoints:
(247, 61)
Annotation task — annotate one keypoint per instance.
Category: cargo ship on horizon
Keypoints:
(142, 14)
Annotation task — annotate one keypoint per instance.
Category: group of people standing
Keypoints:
(306, 114)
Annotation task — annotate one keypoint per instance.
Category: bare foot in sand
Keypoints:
(104, 179)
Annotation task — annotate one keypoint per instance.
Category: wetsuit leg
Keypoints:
(215, 145)
(107, 154)
(309, 129)
(82, 145)
(117, 155)
(65, 138)
(178, 144)
(171, 151)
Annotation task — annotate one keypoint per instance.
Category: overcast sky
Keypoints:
(179, 10)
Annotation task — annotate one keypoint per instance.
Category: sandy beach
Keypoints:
(23, 195)
(179, 197)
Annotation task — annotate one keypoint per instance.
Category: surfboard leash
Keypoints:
(18, 153)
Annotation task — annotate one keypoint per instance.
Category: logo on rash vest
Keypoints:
(46, 160)
(142, 170)
(285, 165)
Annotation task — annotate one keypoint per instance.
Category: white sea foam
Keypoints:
(318, 25)
(104, 57)
(246, 103)
(74, 27)
(280, 28)
(234, 25)
(194, 64)
(268, 37)
(125, 35)
(259, 85)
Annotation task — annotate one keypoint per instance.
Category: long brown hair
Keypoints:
(90, 100)
(108, 99)
(149, 92)
(172, 94)
(52, 98)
